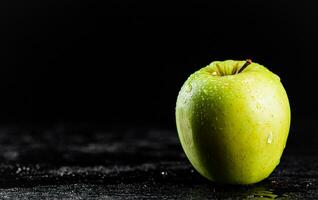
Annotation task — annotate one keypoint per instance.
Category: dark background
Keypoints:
(123, 63)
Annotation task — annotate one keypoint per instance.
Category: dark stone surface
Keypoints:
(86, 162)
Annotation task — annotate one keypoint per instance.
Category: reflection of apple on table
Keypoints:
(233, 120)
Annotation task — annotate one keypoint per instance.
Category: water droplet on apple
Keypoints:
(189, 88)
(270, 138)
(185, 100)
(205, 91)
(277, 77)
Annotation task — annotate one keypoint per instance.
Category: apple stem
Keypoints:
(248, 61)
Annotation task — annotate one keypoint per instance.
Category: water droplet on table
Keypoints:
(18, 170)
(164, 173)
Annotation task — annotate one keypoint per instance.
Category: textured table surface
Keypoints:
(85, 162)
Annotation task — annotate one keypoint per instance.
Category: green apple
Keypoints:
(233, 119)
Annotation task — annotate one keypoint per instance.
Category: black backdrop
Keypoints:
(124, 62)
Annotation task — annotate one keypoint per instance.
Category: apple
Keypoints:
(233, 119)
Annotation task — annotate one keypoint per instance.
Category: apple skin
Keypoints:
(233, 128)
